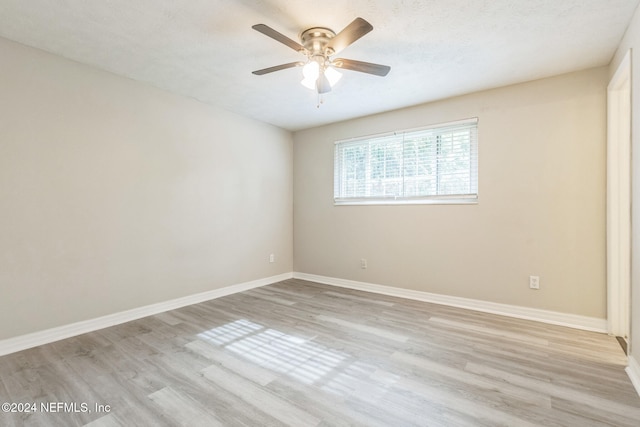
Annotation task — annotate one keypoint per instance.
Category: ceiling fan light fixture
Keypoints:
(309, 83)
(310, 72)
(332, 75)
(322, 84)
(319, 44)
(313, 79)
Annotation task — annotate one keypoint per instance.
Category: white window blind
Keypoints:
(428, 165)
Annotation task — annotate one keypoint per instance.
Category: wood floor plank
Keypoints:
(106, 421)
(302, 353)
(379, 332)
(234, 363)
(371, 300)
(256, 396)
(470, 378)
(182, 409)
(555, 390)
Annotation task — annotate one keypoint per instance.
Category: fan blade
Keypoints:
(270, 32)
(352, 32)
(363, 67)
(277, 68)
(322, 84)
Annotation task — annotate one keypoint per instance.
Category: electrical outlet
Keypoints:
(363, 263)
(272, 258)
(534, 282)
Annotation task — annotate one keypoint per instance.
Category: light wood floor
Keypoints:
(302, 354)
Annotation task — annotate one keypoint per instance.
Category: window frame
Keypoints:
(470, 198)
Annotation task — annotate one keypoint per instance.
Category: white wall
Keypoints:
(116, 195)
(631, 40)
(541, 210)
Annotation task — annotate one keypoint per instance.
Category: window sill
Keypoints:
(439, 201)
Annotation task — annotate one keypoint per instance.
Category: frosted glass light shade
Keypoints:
(310, 71)
(332, 75)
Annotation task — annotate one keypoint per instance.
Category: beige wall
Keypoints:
(631, 40)
(541, 210)
(115, 195)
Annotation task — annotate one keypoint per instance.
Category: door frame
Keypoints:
(619, 199)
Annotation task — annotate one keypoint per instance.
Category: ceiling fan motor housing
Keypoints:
(315, 41)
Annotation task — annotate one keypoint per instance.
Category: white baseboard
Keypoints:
(552, 317)
(23, 342)
(633, 370)
(12, 345)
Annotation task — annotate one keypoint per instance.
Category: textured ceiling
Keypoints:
(206, 49)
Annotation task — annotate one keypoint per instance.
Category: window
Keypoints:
(435, 164)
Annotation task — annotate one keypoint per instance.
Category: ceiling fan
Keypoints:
(319, 44)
